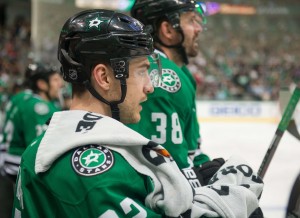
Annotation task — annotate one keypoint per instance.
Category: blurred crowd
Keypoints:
(247, 57)
(15, 48)
(241, 57)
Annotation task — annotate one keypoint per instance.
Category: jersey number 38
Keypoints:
(163, 129)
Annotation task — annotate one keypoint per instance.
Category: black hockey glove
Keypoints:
(257, 213)
(199, 176)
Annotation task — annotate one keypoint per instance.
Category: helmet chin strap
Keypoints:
(115, 111)
(179, 46)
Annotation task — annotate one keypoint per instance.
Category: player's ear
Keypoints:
(167, 31)
(101, 76)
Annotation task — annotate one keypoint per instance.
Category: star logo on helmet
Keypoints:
(95, 23)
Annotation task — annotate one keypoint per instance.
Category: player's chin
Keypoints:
(195, 49)
(133, 118)
(193, 53)
(136, 116)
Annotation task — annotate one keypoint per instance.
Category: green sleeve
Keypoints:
(11, 110)
(29, 122)
(118, 192)
(194, 132)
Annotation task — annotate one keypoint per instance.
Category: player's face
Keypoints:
(190, 23)
(55, 85)
(138, 86)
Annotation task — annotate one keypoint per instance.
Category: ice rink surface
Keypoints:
(251, 140)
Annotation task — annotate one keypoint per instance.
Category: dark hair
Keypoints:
(38, 71)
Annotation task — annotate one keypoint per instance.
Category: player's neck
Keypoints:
(43, 96)
(173, 55)
(89, 103)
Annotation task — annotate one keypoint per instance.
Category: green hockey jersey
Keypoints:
(84, 196)
(90, 165)
(26, 119)
(60, 177)
(10, 106)
(169, 115)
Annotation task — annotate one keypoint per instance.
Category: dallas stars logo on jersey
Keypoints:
(92, 160)
(169, 80)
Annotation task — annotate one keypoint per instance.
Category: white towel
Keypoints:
(233, 193)
(172, 192)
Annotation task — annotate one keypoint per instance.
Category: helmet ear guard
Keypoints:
(75, 73)
(120, 67)
(72, 71)
(174, 19)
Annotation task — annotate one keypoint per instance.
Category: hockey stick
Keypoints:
(284, 122)
(284, 96)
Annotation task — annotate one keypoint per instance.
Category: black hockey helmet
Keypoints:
(37, 71)
(100, 35)
(94, 36)
(149, 12)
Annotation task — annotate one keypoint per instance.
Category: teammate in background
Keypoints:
(25, 116)
(27, 113)
(13, 103)
(6, 185)
(89, 164)
(169, 116)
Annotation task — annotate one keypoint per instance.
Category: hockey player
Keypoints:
(25, 117)
(28, 112)
(6, 184)
(169, 116)
(10, 105)
(89, 164)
